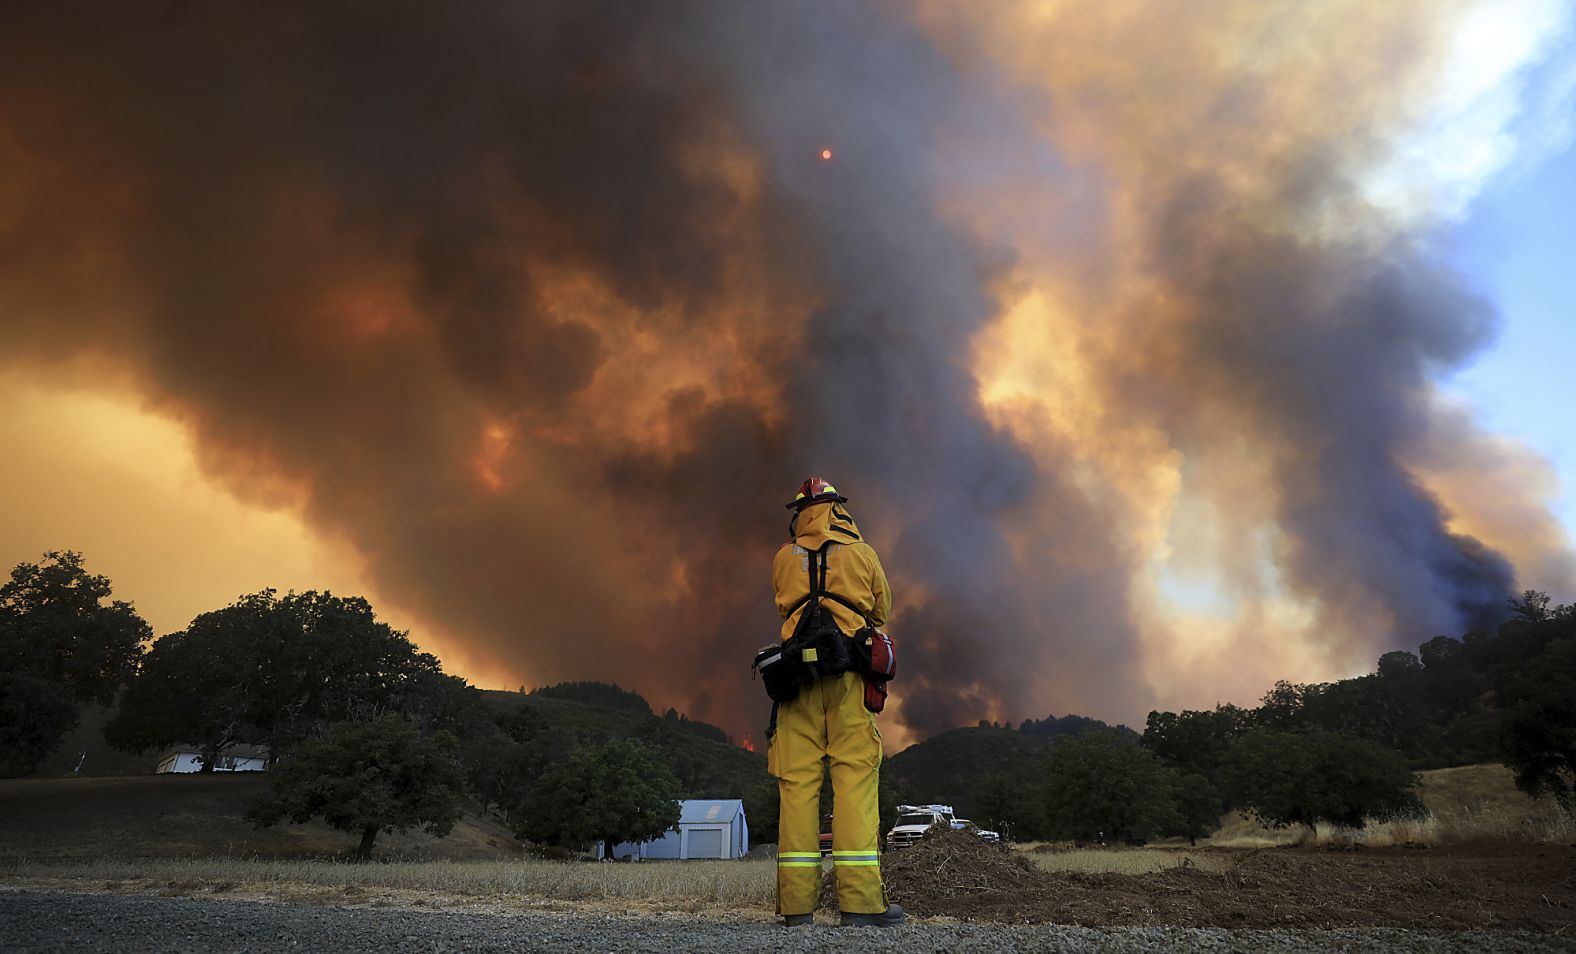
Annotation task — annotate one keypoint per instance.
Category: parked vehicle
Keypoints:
(913, 821)
(988, 835)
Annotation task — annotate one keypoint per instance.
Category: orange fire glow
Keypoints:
(747, 744)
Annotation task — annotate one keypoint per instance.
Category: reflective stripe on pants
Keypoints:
(828, 719)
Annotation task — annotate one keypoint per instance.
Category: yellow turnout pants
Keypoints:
(828, 719)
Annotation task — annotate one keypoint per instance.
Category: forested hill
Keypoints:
(1500, 695)
(984, 770)
(579, 714)
(970, 768)
(1490, 696)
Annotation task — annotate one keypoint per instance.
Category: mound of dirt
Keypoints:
(946, 866)
(957, 874)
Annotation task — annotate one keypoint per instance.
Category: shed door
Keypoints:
(705, 843)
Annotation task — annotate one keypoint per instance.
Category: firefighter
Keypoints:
(829, 721)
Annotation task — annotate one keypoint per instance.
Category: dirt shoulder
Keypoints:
(38, 922)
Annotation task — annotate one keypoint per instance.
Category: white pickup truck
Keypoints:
(913, 821)
(983, 833)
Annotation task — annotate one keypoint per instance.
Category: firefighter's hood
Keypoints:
(822, 522)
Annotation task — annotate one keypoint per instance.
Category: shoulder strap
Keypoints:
(818, 584)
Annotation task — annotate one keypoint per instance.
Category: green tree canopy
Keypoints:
(1287, 778)
(1104, 781)
(274, 669)
(1199, 807)
(1539, 733)
(762, 807)
(382, 775)
(34, 715)
(63, 642)
(1194, 742)
(58, 624)
(979, 772)
(193, 688)
(999, 804)
(590, 692)
(614, 793)
(504, 757)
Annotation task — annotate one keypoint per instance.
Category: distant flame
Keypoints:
(748, 744)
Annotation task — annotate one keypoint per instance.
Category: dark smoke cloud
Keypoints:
(547, 307)
(1324, 356)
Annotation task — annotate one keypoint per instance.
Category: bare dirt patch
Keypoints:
(1531, 887)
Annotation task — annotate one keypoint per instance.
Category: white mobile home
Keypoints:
(232, 758)
(707, 828)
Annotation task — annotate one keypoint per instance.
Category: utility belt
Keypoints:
(789, 667)
(796, 663)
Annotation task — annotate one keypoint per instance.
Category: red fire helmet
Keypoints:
(815, 490)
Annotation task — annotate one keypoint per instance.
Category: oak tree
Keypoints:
(381, 775)
(614, 793)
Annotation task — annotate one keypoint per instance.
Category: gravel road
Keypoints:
(37, 921)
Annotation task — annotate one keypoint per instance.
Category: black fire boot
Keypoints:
(891, 917)
(798, 920)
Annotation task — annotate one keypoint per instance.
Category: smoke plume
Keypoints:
(546, 309)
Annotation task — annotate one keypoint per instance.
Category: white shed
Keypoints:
(231, 758)
(707, 828)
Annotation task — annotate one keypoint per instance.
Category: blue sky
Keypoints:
(1518, 245)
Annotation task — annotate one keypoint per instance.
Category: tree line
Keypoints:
(361, 728)
(1338, 752)
(1506, 694)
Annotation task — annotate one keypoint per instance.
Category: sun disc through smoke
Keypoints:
(826, 153)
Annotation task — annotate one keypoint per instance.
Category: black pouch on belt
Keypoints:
(781, 671)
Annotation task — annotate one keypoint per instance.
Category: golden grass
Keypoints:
(1239, 830)
(1482, 802)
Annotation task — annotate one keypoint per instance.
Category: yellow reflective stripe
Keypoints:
(866, 851)
(857, 864)
(810, 655)
(798, 854)
(799, 864)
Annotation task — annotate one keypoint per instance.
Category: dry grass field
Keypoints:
(699, 885)
(181, 816)
(188, 835)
